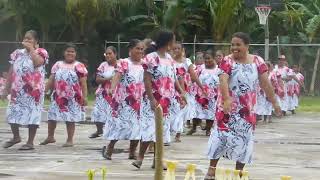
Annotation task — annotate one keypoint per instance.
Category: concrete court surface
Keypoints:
(288, 146)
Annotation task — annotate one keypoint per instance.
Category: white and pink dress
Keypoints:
(27, 89)
(233, 134)
(67, 100)
(126, 103)
(102, 110)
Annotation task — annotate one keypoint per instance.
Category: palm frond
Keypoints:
(135, 18)
(313, 26)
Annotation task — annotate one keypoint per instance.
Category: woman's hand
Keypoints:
(110, 92)
(204, 91)
(227, 103)
(85, 102)
(184, 100)
(277, 110)
(154, 104)
(28, 46)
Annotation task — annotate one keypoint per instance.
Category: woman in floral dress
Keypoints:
(298, 83)
(219, 55)
(102, 112)
(233, 134)
(160, 82)
(3, 85)
(127, 88)
(283, 70)
(264, 106)
(26, 86)
(186, 75)
(68, 80)
(206, 101)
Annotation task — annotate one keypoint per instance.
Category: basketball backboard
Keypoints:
(276, 5)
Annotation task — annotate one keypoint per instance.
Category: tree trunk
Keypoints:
(314, 74)
(19, 30)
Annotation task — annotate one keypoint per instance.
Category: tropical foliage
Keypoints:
(93, 21)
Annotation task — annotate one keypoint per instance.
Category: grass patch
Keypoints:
(3, 103)
(309, 104)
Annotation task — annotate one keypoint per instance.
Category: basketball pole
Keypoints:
(266, 41)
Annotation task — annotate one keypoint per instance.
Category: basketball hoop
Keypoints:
(263, 12)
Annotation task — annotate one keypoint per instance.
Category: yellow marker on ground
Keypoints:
(228, 175)
(171, 170)
(286, 178)
(191, 172)
(245, 175)
(220, 174)
(236, 175)
(104, 173)
(91, 173)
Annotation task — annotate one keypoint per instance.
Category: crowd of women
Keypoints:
(228, 92)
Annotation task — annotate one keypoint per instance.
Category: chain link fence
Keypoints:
(303, 55)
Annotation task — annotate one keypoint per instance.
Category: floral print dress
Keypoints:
(264, 106)
(126, 103)
(283, 71)
(290, 91)
(163, 74)
(182, 72)
(27, 89)
(102, 111)
(297, 88)
(67, 101)
(233, 134)
(188, 112)
(3, 83)
(206, 104)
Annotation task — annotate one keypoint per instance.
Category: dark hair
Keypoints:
(220, 51)
(209, 52)
(163, 38)
(34, 34)
(243, 36)
(268, 63)
(112, 48)
(133, 43)
(199, 52)
(70, 45)
(180, 43)
(150, 49)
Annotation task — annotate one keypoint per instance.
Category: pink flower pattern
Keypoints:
(163, 72)
(126, 102)
(67, 102)
(243, 91)
(297, 86)
(206, 102)
(232, 136)
(27, 89)
(102, 110)
(3, 83)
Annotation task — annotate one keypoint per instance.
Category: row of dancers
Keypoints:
(223, 90)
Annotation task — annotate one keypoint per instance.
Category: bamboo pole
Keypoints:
(159, 144)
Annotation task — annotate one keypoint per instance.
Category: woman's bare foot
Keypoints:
(11, 142)
(48, 141)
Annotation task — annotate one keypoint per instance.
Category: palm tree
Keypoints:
(313, 27)
(39, 11)
(223, 14)
(15, 10)
(180, 16)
